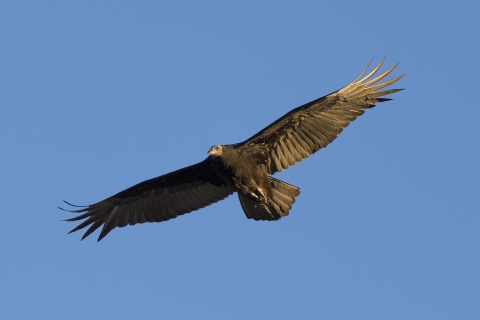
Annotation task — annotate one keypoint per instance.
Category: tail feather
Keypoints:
(277, 206)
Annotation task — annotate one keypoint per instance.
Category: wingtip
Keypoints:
(86, 234)
(100, 237)
(73, 205)
(364, 70)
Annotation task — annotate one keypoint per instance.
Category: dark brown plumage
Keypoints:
(244, 167)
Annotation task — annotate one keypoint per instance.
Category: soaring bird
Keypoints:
(245, 167)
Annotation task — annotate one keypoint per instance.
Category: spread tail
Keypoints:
(283, 197)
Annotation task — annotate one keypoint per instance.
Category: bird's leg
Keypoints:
(262, 194)
(258, 195)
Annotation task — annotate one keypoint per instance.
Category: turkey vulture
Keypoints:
(243, 167)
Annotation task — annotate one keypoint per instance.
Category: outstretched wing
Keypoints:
(155, 200)
(308, 128)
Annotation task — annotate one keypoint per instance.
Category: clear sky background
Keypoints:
(96, 96)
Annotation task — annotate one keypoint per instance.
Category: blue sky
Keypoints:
(98, 96)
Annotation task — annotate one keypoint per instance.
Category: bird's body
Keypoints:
(244, 172)
(245, 167)
(261, 196)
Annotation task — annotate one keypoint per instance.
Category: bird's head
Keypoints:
(216, 151)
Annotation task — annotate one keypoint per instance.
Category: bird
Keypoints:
(245, 168)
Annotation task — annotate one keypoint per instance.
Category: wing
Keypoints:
(311, 127)
(155, 200)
